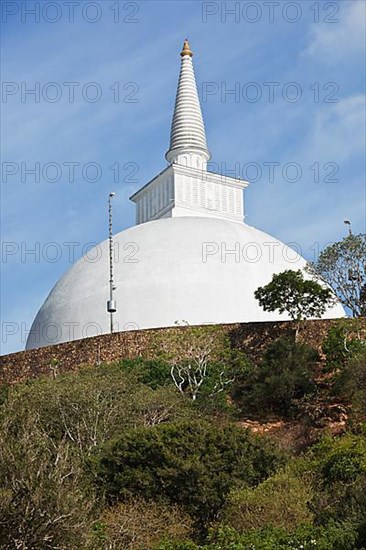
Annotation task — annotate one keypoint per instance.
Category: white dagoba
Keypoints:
(190, 258)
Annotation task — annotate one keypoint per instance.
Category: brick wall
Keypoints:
(250, 337)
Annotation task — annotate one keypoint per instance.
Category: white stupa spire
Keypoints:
(188, 144)
(186, 187)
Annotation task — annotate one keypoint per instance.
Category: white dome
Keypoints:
(169, 270)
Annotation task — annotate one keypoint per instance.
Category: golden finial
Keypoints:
(186, 49)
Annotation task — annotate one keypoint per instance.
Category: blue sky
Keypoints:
(313, 57)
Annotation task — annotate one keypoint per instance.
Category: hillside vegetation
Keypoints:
(153, 455)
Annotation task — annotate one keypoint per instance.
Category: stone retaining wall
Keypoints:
(250, 337)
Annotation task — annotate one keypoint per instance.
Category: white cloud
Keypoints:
(335, 42)
(339, 131)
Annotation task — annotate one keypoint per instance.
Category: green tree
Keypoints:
(290, 292)
(343, 266)
(191, 464)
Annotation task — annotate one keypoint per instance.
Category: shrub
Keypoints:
(92, 406)
(339, 466)
(47, 428)
(350, 383)
(333, 537)
(4, 391)
(280, 501)
(341, 343)
(140, 525)
(284, 375)
(191, 464)
(339, 459)
(84, 408)
(174, 545)
(44, 502)
(355, 381)
(152, 372)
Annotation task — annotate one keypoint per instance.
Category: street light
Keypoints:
(347, 222)
(352, 275)
(111, 303)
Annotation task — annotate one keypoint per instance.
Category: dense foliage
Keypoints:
(283, 500)
(334, 537)
(285, 374)
(117, 457)
(191, 464)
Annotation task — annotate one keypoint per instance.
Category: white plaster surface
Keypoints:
(161, 278)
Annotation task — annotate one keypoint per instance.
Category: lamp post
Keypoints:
(347, 222)
(352, 275)
(111, 303)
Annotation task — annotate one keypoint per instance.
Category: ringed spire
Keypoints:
(188, 144)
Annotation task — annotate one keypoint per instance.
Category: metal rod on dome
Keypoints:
(111, 303)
